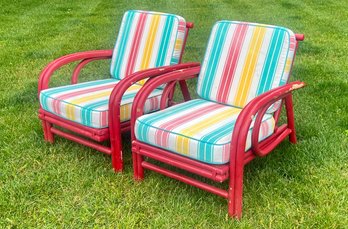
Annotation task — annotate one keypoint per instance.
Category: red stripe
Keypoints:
(231, 62)
(151, 104)
(265, 129)
(156, 104)
(162, 136)
(57, 100)
(225, 153)
(136, 43)
(104, 118)
(182, 25)
(292, 42)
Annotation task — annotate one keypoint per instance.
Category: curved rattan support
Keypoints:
(47, 72)
(239, 136)
(78, 68)
(115, 104)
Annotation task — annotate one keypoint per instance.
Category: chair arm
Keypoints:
(258, 107)
(120, 88)
(152, 84)
(86, 57)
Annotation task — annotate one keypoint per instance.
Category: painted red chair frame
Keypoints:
(92, 137)
(232, 171)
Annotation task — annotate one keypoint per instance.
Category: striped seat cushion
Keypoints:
(198, 129)
(244, 60)
(87, 103)
(147, 40)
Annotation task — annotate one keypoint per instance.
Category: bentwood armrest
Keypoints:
(84, 57)
(257, 108)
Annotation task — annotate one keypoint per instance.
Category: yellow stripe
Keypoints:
(150, 42)
(288, 65)
(142, 82)
(86, 98)
(149, 45)
(71, 107)
(133, 88)
(70, 112)
(178, 44)
(125, 112)
(249, 67)
(182, 143)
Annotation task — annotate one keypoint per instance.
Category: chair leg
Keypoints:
(235, 197)
(135, 164)
(140, 169)
(290, 117)
(116, 159)
(235, 191)
(116, 151)
(48, 135)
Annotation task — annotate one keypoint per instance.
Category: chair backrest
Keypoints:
(243, 60)
(147, 40)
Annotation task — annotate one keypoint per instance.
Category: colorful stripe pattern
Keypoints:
(244, 60)
(198, 129)
(147, 40)
(88, 103)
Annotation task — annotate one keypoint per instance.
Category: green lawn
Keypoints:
(65, 184)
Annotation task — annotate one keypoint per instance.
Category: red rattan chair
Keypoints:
(242, 86)
(148, 44)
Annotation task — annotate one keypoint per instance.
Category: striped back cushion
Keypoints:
(244, 60)
(147, 40)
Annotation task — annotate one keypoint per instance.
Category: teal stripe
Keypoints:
(144, 129)
(213, 60)
(163, 49)
(176, 56)
(43, 102)
(147, 121)
(282, 82)
(48, 93)
(206, 143)
(275, 61)
(271, 62)
(86, 114)
(124, 37)
(174, 60)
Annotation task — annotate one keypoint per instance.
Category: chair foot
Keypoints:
(235, 190)
(235, 202)
(292, 135)
(140, 169)
(48, 135)
(116, 152)
(292, 138)
(137, 178)
(118, 170)
(117, 164)
(135, 165)
(232, 211)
